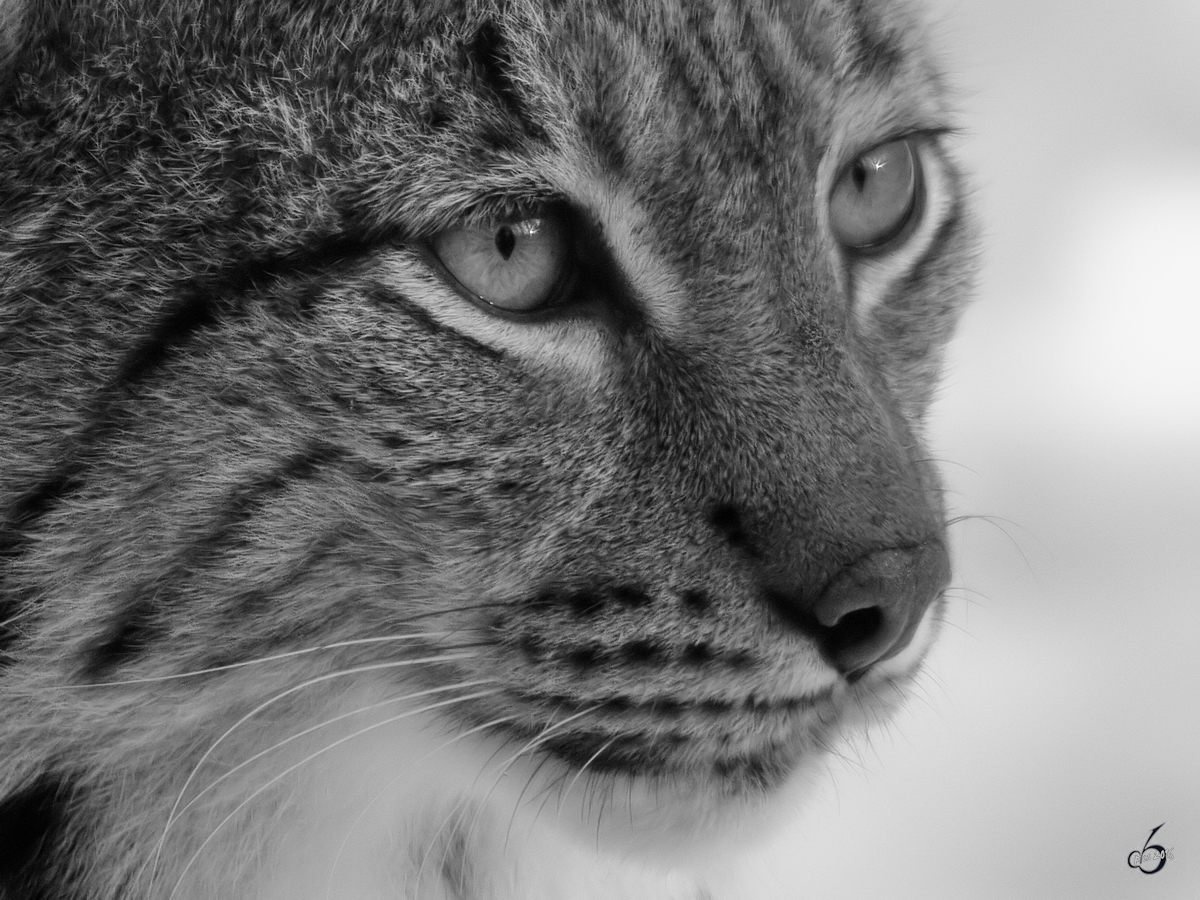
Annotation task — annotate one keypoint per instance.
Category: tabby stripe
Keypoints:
(487, 54)
(136, 629)
(195, 313)
(206, 300)
(204, 296)
(876, 52)
(721, 103)
(137, 626)
(246, 500)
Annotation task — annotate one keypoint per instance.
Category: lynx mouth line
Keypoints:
(749, 741)
(672, 754)
(667, 706)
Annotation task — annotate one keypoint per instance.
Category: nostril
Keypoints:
(872, 607)
(858, 637)
(855, 629)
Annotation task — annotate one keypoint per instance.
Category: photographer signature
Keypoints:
(1154, 855)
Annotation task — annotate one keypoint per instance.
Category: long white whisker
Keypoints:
(291, 654)
(338, 718)
(310, 758)
(504, 767)
(386, 787)
(328, 676)
(531, 745)
(337, 645)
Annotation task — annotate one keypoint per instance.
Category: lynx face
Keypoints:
(420, 418)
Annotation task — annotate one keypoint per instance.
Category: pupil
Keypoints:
(505, 241)
(858, 175)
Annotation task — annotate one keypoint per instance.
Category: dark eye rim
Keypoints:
(561, 293)
(913, 216)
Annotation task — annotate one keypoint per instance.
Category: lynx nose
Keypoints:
(871, 608)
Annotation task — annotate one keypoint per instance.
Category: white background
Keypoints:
(1060, 717)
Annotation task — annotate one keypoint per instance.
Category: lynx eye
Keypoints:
(875, 196)
(512, 265)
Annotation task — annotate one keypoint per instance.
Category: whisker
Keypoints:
(338, 718)
(504, 767)
(350, 831)
(629, 800)
(832, 751)
(605, 798)
(328, 676)
(287, 771)
(461, 804)
(535, 742)
(945, 461)
(595, 756)
(521, 796)
(546, 792)
(291, 654)
(962, 592)
(999, 523)
(946, 623)
(920, 691)
(927, 672)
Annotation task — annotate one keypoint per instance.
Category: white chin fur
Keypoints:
(394, 812)
(405, 809)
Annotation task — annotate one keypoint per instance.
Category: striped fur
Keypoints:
(317, 579)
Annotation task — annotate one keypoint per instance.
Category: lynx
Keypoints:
(466, 449)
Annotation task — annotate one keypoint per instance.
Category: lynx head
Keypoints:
(562, 365)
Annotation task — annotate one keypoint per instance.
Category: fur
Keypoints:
(319, 579)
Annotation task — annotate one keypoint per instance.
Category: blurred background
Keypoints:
(1059, 720)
